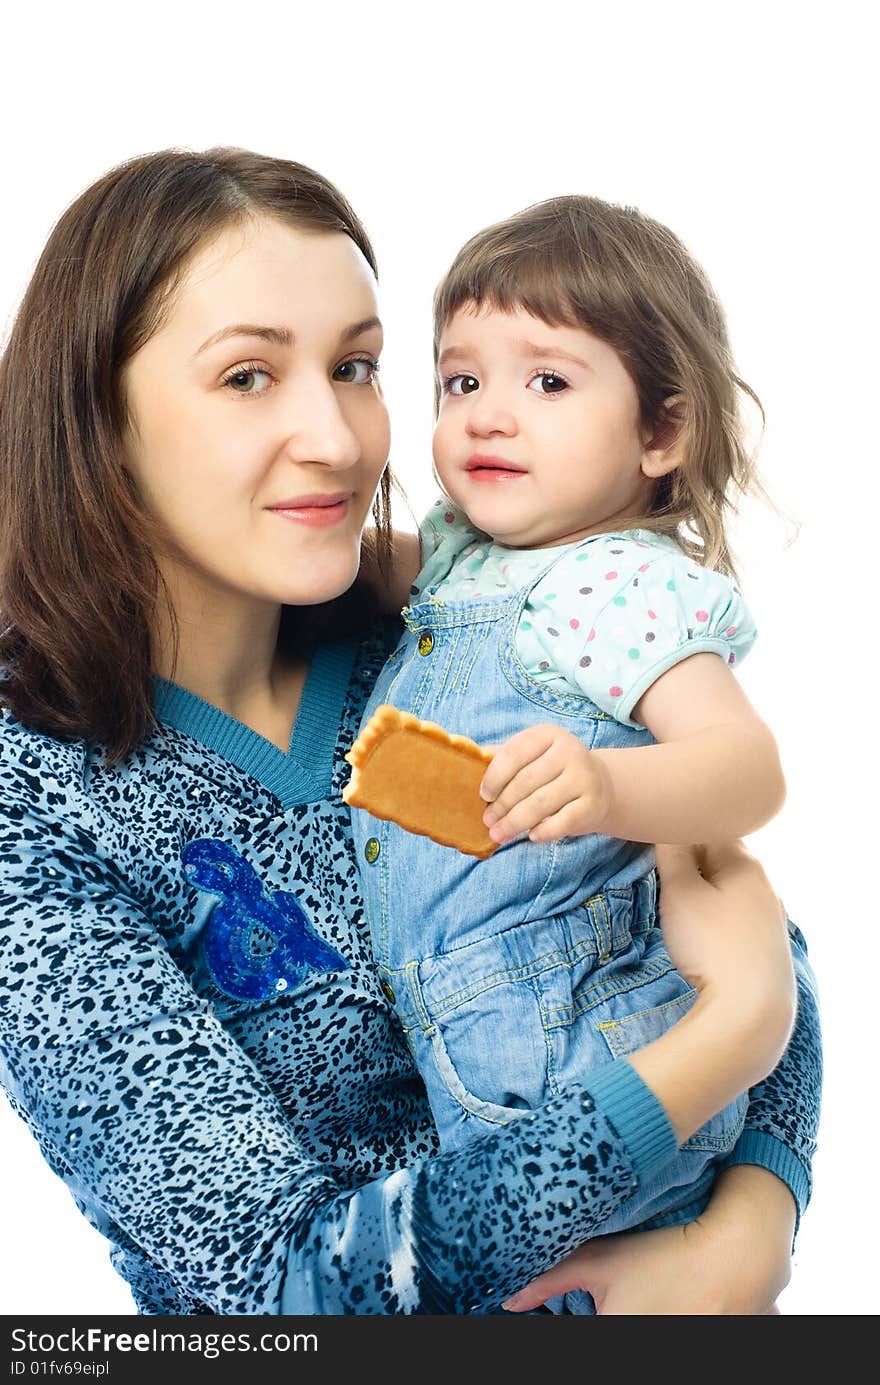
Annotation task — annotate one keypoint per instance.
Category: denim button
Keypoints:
(388, 991)
(426, 644)
(371, 851)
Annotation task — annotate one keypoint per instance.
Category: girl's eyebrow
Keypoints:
(451, 353)
(531, 348)
(525, 348)
(279, 336)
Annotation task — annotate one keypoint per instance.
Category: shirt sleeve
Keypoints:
(621, 613)
(169, 1135)
(782, 1121)
(445, 533)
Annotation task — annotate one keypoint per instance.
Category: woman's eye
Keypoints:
(248, 380)
(361, 371)
(461, 384)
(548, 382)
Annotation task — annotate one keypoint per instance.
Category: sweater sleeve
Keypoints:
(172, 1140)
(783, 1116)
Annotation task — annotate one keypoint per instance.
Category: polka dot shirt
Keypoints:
(614, 612)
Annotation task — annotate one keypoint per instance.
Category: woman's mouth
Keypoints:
(318, 511)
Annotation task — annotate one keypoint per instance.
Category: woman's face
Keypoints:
(259, 432)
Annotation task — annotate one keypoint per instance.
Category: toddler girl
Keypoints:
(576, 588)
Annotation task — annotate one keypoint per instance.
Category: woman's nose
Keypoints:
(316, 429)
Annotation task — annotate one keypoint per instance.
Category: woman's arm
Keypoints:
(393, 592)
(736, 1258)
(704, 919)
(726, 887)
(782, 1121)
(713, 776)
(172, 1139)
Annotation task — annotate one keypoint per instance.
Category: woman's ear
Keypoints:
(664, 443)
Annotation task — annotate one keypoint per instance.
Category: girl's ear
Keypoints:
(664, 444)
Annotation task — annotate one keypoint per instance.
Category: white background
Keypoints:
(747, 129)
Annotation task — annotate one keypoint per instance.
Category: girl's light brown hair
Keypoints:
(79, 584)
(581, 262)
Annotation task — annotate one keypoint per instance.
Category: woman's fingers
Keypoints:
(567, 1275)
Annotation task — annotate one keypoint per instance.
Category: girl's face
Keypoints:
(258, 431)
(539, 438)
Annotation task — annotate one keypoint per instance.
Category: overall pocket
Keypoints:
(489, 1051)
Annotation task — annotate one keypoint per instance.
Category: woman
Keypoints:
(192, 435)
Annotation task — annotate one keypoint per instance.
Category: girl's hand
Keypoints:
(545, 782)
(734, 1259)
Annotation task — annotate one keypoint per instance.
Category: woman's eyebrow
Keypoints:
(357, 329)
(279, 336)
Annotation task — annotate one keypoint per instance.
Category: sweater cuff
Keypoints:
(755, 1147)
(636, 1114)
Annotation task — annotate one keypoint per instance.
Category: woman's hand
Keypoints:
(734, 1259)
(545, 782)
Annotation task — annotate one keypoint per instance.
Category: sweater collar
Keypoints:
(301, 775)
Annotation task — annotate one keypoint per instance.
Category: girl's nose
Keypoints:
(489, 413)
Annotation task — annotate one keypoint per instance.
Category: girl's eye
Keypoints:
(461, 384)
(247, 379)
(548, 382)
(361, 371)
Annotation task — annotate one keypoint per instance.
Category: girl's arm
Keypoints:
(713, 776)
(715, 772)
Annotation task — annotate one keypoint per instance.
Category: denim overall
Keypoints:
(516, 975)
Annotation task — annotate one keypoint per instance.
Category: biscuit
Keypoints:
(415, 774)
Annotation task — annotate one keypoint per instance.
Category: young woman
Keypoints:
(191, 438)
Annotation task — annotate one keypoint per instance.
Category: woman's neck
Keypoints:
(227, 654)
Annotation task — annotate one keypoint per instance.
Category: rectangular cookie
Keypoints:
(416, 774)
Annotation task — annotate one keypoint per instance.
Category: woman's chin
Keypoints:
(315, 587)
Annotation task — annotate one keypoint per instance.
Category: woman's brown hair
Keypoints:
(582, 262)
(79, 584)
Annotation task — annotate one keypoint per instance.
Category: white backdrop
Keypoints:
(748, 130)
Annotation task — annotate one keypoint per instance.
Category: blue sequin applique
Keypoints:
(254, 946)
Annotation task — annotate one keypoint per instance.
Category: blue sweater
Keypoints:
(239, 1115)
